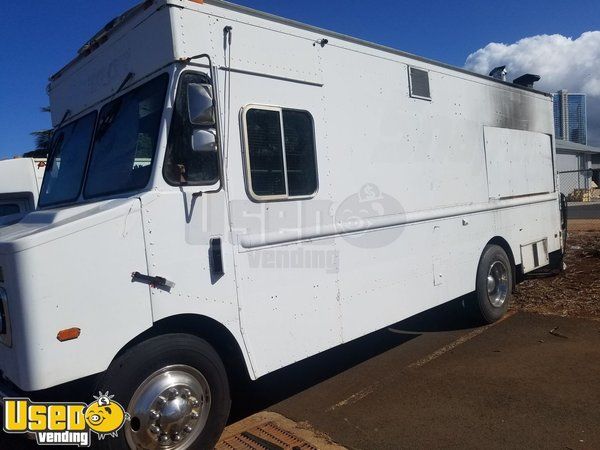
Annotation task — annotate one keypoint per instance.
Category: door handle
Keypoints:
(215, 256)
(154, 282)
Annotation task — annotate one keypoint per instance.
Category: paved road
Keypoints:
(589, 211)
(513, 385)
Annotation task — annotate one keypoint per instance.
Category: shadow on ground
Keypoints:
(252, 397)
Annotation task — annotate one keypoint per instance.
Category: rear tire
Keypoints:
(174, 387)
(494, 285)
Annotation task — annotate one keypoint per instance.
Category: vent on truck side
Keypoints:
(419, 83)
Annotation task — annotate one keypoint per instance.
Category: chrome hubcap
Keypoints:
(497, 284)
(169, 410)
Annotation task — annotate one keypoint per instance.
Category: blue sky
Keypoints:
(37, 37)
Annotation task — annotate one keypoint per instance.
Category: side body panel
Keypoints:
(413, 172)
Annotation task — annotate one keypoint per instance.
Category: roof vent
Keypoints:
(527, 80)
(499, 73)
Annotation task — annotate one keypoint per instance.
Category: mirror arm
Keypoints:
(200, 56)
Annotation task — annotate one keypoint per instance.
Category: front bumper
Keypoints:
(81, 390)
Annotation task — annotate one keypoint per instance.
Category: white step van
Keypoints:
(20, 181)
(230, 192)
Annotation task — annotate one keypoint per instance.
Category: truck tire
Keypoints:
(176, 391)
(494, 285)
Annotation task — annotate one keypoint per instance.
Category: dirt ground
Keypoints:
(588, 225)
(573, 293)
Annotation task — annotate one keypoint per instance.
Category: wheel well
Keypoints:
(501, 242)
(213, 332)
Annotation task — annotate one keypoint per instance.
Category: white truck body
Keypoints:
(20, 181)
(411, 189)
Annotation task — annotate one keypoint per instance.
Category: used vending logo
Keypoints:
(64, 423)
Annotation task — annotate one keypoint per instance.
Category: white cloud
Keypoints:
(562, 62)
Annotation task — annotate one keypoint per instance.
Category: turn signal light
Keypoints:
(68, 334)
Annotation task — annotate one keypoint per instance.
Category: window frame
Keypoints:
(216, 185)
(410, 84)
(246, 157)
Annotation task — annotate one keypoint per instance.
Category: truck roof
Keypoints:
(105, 33)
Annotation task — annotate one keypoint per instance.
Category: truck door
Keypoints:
(190, 261)
(286, 273)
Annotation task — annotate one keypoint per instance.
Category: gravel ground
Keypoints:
(573, 293)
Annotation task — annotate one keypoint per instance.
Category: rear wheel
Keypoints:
(175, 389)
(494, 285)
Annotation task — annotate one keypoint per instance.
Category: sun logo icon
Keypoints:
(105, 417)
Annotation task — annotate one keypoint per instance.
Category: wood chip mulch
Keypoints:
(576, 291)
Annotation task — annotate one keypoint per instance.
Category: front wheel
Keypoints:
(494, 285)
(176, 392)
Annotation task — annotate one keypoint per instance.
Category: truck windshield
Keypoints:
(122, 151)
(125, 141)
(66, 166)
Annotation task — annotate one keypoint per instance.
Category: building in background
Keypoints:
(570, 117)
(578, 166)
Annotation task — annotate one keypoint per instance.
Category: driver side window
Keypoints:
(188, 163)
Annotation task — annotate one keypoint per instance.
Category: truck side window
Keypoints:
(300, 157)
(266, 153)
(280, 149)
(183, 166)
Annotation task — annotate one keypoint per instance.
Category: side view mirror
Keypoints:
(204, 141)
(200, 104)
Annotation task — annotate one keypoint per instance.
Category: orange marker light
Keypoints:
(198, 1)
(68, 334)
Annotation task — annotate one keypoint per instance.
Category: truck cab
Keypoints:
(90, 274)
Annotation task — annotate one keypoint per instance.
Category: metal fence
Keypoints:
(581, 189)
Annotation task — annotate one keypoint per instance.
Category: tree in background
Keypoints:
(43, 140)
